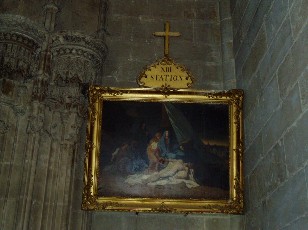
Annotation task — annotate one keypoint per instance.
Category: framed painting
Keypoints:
(149, 152)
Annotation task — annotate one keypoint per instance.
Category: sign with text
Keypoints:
(165, 73)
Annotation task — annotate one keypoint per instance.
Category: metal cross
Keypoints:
(166, 35)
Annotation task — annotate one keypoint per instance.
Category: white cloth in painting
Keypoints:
(176, 172)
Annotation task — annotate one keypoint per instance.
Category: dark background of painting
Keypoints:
(122, 118)
(122, 122)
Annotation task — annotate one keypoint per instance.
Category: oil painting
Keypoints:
(152, 152)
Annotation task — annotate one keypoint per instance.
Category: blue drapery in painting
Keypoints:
(209, 168)
(180, 124)
(187, 138)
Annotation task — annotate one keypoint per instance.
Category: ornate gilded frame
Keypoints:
(91, 199)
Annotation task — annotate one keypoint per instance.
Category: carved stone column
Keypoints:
(20, 45)
(43, 75)
(76, 62)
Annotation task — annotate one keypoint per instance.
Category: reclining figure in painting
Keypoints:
(172, 169)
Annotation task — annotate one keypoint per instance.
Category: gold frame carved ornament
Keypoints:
(99, 97)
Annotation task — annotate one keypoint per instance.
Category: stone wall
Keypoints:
(49, 52)
(270, 48)
(205, 47)
(130, 25)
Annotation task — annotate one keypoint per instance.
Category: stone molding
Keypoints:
(4, 127)
(66, 99)
(20, 45)
(76, 58)
(22, 25)
(19, 57)
(68, 42)
(18, 110)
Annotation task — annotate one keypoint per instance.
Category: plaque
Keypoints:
(165, 73)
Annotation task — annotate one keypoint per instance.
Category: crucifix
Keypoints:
(166, 35)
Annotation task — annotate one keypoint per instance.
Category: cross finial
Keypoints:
(166, 35)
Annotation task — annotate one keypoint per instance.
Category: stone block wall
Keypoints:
(42, 123)
(270, 48)
(150, 221)
(132, 46)
(205, 47)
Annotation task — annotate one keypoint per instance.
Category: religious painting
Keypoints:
(153, 152)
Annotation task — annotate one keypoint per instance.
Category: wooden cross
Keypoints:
(166, 34)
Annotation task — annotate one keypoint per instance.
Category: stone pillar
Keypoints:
(43, 75)
(102, 19)
(50, 16)
(228, 64)
(19, 48)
